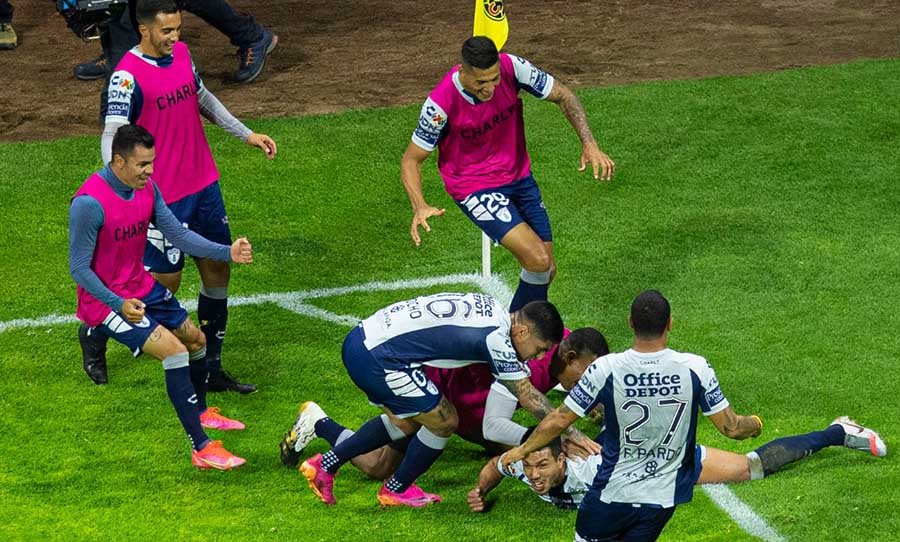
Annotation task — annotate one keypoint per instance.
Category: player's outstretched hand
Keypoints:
(577, 444)
(420, 218)
(241, 251)
(603, 166)
(265, 143)
(133, 309)
(476, 500)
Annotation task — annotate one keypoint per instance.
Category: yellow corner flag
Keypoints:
(490, 21)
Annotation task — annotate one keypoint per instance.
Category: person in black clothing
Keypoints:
(254, 42)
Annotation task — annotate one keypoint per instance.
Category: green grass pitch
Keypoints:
(764, 207)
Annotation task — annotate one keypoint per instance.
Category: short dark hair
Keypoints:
(586, 341)
(480, 52)
(650, 314)
(555, 445)
(128, 137)
(546, 322)
(145, 11)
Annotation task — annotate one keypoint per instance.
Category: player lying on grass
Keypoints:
(651, 396)
(383, 356)
(563, 481)
(117, 296)
(466, 388)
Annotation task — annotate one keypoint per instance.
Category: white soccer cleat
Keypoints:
(304, 429)
(861, 438)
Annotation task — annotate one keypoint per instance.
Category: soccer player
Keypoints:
(474, 118)
(650, 395)
(466, 388)
(383, 356)
(118, 298)
(563, 481)
(157, 86)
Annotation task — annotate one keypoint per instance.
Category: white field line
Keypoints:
(742, 514)
(296, 301)
(494, 286)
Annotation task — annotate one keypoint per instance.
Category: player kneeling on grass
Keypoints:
(383, 356)
(468, 389)
(117, 297)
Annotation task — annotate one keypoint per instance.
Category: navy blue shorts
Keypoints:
(598, 521)
(498, 210)
(203, 213)
(405, 391)
(160, 308)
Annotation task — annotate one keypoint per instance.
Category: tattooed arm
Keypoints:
(529, 397)
(571, 107)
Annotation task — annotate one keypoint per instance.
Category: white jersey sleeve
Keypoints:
(432, 123)
(712, 400)
(504, 360)
(586, 393)
(123, 97)
(532, 79)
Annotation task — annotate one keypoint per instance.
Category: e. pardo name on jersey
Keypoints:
(173, 97)
(133, 230)
(652, 385)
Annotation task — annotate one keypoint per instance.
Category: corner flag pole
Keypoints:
(485, 256)
(490, 21)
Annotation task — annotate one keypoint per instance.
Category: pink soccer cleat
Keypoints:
(413, 496)
(214, 456)
(861, 438)
(321, 482)
(211, 419)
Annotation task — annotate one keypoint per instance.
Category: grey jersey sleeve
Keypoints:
(214, 111)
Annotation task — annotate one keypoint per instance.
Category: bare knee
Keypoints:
(537, 261)
(446, 426)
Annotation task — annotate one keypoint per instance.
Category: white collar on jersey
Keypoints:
(463, 92)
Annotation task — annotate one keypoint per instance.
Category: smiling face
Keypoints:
(480, 82)
(544, 470)
(136, 168)
(158, 37)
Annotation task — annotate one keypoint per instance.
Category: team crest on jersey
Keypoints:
(173, 254)
(494, 10)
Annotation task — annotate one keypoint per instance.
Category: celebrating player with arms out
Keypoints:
(474, 118)
(156, 86)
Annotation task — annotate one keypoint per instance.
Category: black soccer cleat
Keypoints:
(93, 353)
(289, 456)
(223, 381)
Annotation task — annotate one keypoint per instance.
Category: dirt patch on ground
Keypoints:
(334, 56)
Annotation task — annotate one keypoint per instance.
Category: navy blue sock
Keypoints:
(329, 430)
(213, 316)
(372, 435)
(199, 375)
(533, 286)
(780, 452)
(423, 451)
(181, 394)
